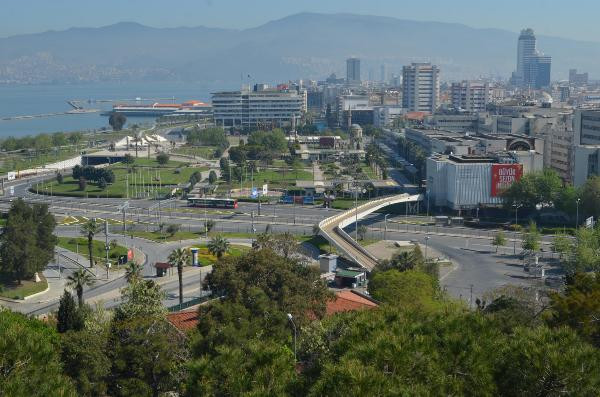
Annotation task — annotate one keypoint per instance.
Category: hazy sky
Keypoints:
(565, 18)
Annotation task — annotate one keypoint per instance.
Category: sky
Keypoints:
(575, 19)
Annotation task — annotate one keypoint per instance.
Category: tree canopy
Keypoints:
(27, 241)
(30, 362)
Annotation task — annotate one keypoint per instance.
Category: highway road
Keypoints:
(477, 269)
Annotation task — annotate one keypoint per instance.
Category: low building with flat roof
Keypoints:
(470, 181)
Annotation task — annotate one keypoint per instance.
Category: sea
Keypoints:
(21, 100)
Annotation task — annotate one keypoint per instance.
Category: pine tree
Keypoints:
(69, 317)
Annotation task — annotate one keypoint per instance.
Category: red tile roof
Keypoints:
(185, 320)
(344, 301)
(415, 115)
(348, 301)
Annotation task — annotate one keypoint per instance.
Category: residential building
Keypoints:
(266, 107)
(472, 96)
(354, 109)
(559, 151)
(457, 122)
(586, 145)
(384, 116)
(577, 79)
(421, 87)
(352, 71)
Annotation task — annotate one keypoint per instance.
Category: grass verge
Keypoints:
(75, 244)
(28, 287)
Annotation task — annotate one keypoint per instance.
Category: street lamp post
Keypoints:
(385, 226)
(426, 247)
(356, 214)
(106, 247)
(291, 319)
(516, 223)
(577, 218)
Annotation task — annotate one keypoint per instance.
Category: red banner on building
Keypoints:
(503, 175)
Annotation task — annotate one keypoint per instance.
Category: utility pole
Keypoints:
(106, 247)
(291, 318)
(385, 226)
(471, 297)
(577, 219)
(516, 223)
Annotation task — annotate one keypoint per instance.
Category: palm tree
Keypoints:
(218, 246)
(133, 272)
(89, 230)
(79, 279)
(179, 257)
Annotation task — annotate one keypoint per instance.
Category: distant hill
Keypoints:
(303, 45)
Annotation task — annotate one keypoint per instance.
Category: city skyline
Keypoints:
(235, 14)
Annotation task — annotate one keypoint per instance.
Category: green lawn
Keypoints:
(206, 152)
(366, 241)
(184, 235)
(345, 203)
(368, 171)
(98, 249)
(149, 179)
(276, 177)
(318, 241)
(160, 237)
(27, 288)
(205, 258)
(22, 161)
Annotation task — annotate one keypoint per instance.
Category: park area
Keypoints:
(144, 178)
(11, 290)
(205, 258)
(80, 245)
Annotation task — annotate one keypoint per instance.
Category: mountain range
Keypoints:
(306, 45)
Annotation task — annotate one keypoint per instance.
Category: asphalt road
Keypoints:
(478, 269)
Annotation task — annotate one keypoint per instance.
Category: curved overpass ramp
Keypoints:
(332, 228)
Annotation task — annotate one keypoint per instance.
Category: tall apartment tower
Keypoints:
(353, 70)
(533, 68)
(420, 87)
(472, 96)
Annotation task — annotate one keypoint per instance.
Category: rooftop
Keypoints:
(348, 301)
(184, 320)
(343, 301)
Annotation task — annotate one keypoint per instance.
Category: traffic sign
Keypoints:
(265, 189)
(589, 222)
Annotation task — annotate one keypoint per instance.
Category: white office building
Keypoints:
(384, 116)
(469, 182)
(472, 96)
(259, 108)
(421, 87)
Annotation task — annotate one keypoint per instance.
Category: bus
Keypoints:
(207, 202)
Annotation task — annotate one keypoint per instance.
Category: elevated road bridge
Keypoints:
(332, 227)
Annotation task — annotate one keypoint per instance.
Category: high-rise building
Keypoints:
(533, 68)
(421, 87)
(472, 96)
(383, 73)
(352, 70)
(577, 79)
